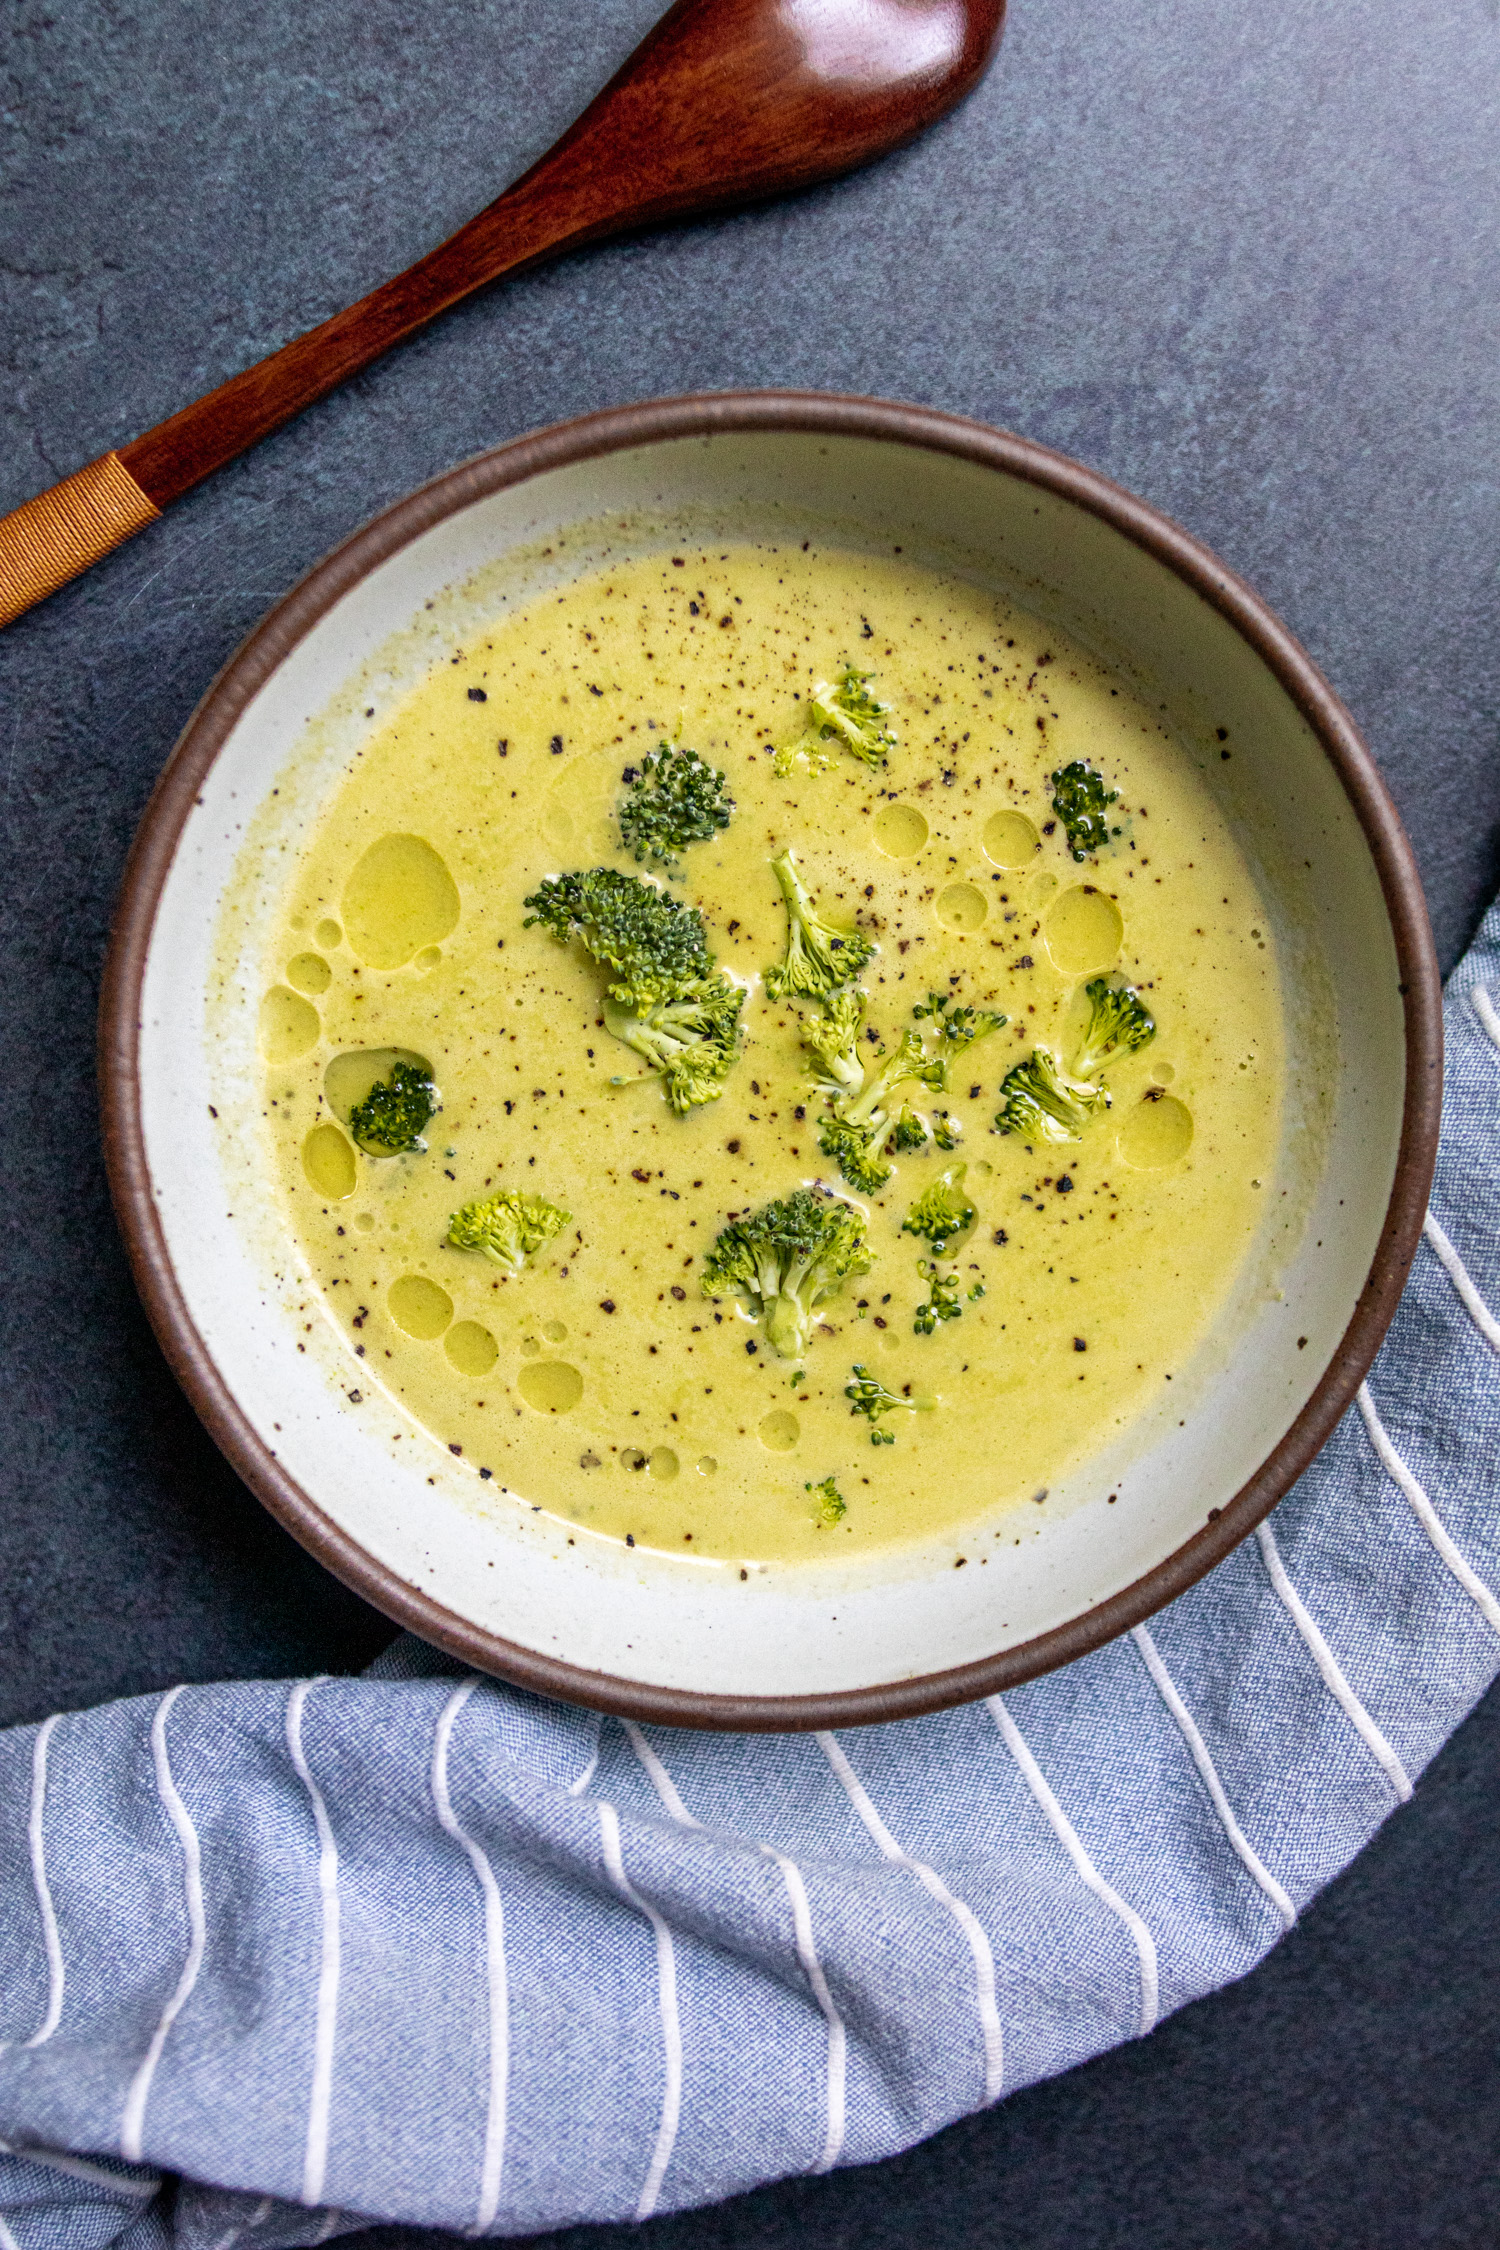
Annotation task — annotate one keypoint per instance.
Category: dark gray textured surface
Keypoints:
(1246, 261)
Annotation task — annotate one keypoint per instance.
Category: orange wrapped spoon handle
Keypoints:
(50, 539)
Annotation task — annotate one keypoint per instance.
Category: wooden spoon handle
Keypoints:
(60, 533)
(723, 102)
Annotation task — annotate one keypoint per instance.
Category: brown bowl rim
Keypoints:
(590, 437)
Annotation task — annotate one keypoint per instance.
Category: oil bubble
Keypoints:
(472, 1349)
(399, 899)
(309, 973)
(289, 1025)
(706, 1464)
(579, 807)
(663, 1463)
(899, 831)
(779, 1431)
(329, 1163)
(1084, 931)
(550, 1385)
(1156, 1134)
(418, 1307)
(428, 958)
(329, 934)
(554, 1331)
(1010, 840)
(962, 907)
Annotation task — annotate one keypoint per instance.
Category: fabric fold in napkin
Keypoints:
(418, 1947)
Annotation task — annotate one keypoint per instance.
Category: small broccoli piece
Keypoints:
(672, 1005)
(507, 1228)
(942, 1213)
(1081, 802)
(872, 1399)
(832, 1039)
(942, 1299)
(957, 1028)
(391, 1119)
(785, 1259)
(818, 957)
(654, 943)
(848, 1146)
(673, 799)
(856, 1133)
(909, 1131)
(1119, 1024)
(831, 1502)
(945, 1130)
(1040, 1102)
(847, 717)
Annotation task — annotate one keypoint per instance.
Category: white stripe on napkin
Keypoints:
(1458, 1273)
(79, 2168)
(133, 2119)
(1484, 1008)
(56, 1975)
(496, 1984)
(933, 1884)
(671, 2024)
(1067, 1835)
(1333, 1678)
(1427, 1516)
(325, 2028)
(807, 1952)
(1208, 1775)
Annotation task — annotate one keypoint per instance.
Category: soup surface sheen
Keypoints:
(601, 1385)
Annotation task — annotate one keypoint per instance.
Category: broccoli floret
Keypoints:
(394, 1114)
(945, 1130)
(942, 1213)
(1119, 1024)
(785, 1259)
(942, 1299)
(673, 799)
(691, 1041)
(818, 957)
(506, 1228)
(832, 1039)
(1081, 802)
(857, 1132)
(672, 1005)
(957, 1028)
(654, 943)
(1040, 1102)
(872, 1399)
(831, 1502)
(847, 717)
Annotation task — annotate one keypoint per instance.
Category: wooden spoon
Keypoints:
(724, 102)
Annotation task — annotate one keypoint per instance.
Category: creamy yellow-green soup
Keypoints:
(601, 1384)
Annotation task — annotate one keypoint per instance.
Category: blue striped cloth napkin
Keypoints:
(418, 1947)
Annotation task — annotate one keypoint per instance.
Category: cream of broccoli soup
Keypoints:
(772, 1054)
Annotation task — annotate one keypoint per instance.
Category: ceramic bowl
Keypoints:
(655, 1637)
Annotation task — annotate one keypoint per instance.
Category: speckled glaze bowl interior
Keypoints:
(375, 1497)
